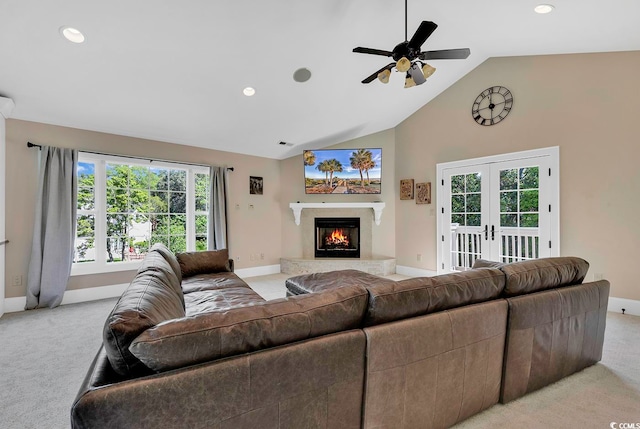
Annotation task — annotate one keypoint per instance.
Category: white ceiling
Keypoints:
(174, 70)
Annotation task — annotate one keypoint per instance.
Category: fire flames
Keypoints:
(337, 238)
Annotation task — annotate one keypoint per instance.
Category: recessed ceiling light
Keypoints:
(248, 91)
(544, 8)
(302, 75)
(72, 34)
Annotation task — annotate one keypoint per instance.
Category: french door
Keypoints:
(503, 208)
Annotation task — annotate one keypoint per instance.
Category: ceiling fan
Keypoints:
(408, 57)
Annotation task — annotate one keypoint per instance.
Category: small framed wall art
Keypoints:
(423, 193)
(255, 185)
(406, 189)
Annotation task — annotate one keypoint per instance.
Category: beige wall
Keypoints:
(248, 230)
(587, 105)
(292, 190)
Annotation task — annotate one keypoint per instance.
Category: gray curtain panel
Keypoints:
(218, 208)
(54, 229)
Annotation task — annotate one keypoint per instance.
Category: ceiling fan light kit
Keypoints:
(403, 65)
(384, 75)
(407, 56)
(428, 70)
(409, 82)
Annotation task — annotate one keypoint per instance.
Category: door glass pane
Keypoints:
(466, 207)
(529, 178)
(458, 218)
(473, 219)
(529, 201)
(509, 220)
(473, 182)
(529, 220)
(508, 179)
(457, 184)
(508, 201)
(473, 203)
(457, 204)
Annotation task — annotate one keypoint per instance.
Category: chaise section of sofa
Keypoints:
(286, 363)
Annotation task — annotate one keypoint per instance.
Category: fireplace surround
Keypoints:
(337, 237)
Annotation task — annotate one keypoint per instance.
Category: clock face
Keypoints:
(492, 105)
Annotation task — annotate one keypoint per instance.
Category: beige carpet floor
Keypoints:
(44, 356)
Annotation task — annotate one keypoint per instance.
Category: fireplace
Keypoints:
(337, 237)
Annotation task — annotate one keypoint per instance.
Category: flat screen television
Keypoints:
(342, 171)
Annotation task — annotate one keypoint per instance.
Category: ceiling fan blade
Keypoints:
(422, 34)
(446, 54)
(361, 50)
(375, 74)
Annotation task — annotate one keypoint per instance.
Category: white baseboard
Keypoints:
(12, 305)
(414, 272)
(630, 306)
(258, 271)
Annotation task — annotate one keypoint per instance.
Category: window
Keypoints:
(125, 206)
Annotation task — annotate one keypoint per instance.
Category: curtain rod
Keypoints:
(29, 144)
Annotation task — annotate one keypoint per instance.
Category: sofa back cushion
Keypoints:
(169, 256)
(213, 335)
(153, 296)
(467, 287)
(545, 273)
(422, 295)
(209, 261)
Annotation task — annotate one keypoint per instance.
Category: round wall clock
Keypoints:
(492, 105)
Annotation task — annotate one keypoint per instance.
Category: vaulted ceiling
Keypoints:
(175, 70)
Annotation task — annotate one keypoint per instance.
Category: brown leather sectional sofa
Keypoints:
(190, 345)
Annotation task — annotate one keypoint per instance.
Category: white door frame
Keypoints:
(553, 154)
(6, 107)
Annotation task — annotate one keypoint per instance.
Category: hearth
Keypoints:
(337, 237)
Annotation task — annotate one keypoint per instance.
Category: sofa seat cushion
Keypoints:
(318, 282)
(541, 274)
(212, 281)
(422, 295)
(208, 336)
(209, 261)
(152, 297)
(221, 299)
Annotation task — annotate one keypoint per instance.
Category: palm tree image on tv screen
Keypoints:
(343, 171)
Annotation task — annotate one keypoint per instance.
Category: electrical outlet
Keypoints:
(17, 280)
(598, 276)
(262, 256)
(419, 257)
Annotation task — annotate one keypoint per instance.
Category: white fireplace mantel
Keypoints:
(377, 208)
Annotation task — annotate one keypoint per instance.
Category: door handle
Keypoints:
(486, 232)
(493, 232)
